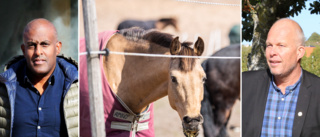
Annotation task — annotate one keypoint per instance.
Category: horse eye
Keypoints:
(173, 79)
(204, 79)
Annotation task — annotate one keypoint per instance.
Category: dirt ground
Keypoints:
(194, 20)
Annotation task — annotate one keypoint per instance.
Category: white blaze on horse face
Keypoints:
(186, 89)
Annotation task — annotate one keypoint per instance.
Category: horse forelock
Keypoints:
(187, 64)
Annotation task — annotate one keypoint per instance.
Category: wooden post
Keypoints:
(94, 75)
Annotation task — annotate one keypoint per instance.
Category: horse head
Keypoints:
(186, 78)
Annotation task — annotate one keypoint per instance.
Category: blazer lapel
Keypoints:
(261, 102)
(302, 105)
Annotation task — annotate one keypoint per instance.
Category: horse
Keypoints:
(149, 24)
(221, 90)
(137, 81)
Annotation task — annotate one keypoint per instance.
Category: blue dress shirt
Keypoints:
(39, 115)
(280, 110)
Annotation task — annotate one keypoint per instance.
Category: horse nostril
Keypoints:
(186, 119)
(199, 118)
(191, 125)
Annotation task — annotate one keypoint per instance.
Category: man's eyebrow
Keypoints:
(31, 42)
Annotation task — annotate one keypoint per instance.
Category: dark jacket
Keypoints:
(255, 86)
(8, 82)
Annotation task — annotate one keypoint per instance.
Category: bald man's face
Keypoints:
(40, 48)
(283, 51)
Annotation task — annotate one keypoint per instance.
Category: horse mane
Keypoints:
(163, 39)
(186, 64)
(133, 34)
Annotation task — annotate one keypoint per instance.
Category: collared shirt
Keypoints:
(38, 115)
(280, 110)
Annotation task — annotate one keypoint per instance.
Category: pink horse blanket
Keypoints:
(118, 122)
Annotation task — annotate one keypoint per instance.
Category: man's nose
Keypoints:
(273, 51)
(38, 50)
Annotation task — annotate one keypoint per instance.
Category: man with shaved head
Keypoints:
(283, 100)
(39, 91)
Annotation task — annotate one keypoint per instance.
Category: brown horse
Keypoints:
(139, 81)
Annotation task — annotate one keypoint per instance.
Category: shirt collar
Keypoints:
(291, 87)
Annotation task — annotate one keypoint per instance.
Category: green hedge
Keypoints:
(312, 63)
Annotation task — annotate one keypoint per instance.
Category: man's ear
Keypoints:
(22, 48)
(301, 51)
(58, 47)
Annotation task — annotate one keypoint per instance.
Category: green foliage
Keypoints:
(245, 52)
(312, 63)
(314, 7)
(313, 40)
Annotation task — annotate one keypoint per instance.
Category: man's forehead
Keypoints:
(40, 33)
(40, 28)
(279, 31)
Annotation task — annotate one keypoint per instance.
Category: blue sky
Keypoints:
(309, 22)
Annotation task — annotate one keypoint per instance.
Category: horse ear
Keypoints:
(199, 47)
(175, 46)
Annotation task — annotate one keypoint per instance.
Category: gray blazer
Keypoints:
(255, 86)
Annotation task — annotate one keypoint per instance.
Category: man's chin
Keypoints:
(275, 72)
(40, 71)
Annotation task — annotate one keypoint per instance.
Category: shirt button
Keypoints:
(39, 127)
(279, 118)
(282, 99)
(40, 108)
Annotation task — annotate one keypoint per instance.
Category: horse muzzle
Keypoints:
(191, 125)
